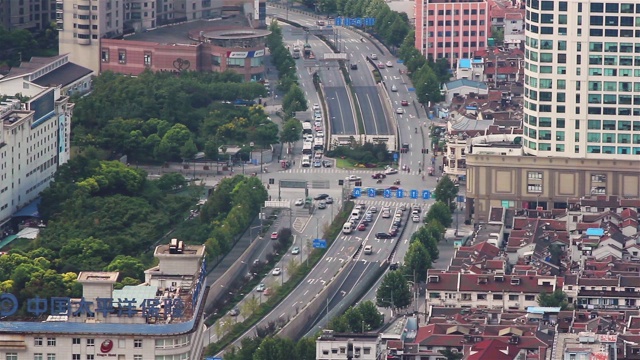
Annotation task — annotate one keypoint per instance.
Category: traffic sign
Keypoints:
(426, 194)
(399, 193)
(387, 193)
(357, 192)
(460, 198)
(371, 192)
(319, 243)
(411, 89)
(400, 61)
(358, 22)
(395, 156)
(338, 21)
(413, 194)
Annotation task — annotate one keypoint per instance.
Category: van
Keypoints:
(355, 214)
(368, 250)
(306, 161)
(347, 228)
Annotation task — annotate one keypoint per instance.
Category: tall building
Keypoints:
(451, 29)
(581, 126)
(83, 24)
(581, 100)
(27, 14)
(35, 129)
(160, 319)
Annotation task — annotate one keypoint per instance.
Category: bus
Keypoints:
(318, 144)
(306, 127)
(307, 148)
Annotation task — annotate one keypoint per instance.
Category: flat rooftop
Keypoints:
(98, 276)
(187, 250)
(183, 33)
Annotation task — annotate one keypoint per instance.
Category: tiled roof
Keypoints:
(493, 350)
(448, 281)
(64, 75)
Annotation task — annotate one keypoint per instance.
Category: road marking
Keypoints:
(305, 293)
(283, 315)
(325, 270)
(342, 249)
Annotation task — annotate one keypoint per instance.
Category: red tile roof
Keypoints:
(492, 350)
(448, 281)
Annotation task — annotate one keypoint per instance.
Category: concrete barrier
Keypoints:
(296, 325)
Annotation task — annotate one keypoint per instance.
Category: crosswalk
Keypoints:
(311, 170)
(382, 202)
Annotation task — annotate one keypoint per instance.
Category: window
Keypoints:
(147, 59)
(122, 56)
(51, 356)
(76, 341)
(11, 356)
(37, 341)
(104, 55)
(37, 356)
(90, 356)
(90, 342)
(497, 296)
(137, 343)
(535, 175)
(137, 357)
(51, 342)
(75, 357)
(513, 297)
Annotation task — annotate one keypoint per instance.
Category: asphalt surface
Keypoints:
(340, 111)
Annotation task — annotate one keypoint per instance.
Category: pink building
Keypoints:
(451, 29)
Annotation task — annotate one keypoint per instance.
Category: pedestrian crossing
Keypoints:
(382, 202)
(368, 172)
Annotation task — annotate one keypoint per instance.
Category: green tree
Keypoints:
(339, 324)
(355, 320)
(248, 346)
(294, 100)
(450, 355)
(127, 266)
(171, 182)
(370, 314)
(274, 349)
(291, 131)
(447, 191)
(417, 261)
(305, 349)
(556, 299)
(498, 35)
(84, 254)
(439, 212)
(188, 150)
(394, 291)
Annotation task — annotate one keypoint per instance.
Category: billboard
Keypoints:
(43, 106)
(244, 54)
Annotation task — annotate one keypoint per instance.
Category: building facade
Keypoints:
(160, 319)
(581, 100)
(451, 30)
(27, 14)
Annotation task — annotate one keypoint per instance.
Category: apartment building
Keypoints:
(160, 319)
(27, 14)
(451, 29)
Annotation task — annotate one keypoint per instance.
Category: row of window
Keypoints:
(456, 44)
(122, 57)
(456, 33)
(39, 341)
(455, 22)
(457, 12)
(591, 149)
(232, 62)
(40, 356)
(609, 138)
(480, 296)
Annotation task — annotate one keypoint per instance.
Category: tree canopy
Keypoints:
(447, 191)
(364, 317)
(440, 213)
(394, 291)
(168, 117)
(556, 299)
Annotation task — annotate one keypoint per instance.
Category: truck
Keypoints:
(307, 50)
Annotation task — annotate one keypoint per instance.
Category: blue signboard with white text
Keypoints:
(399, 193)
(413, 194)
(359, 22)
(357, 192)
(426, 194)
(319, 243)
(371, 192)
(387, 193)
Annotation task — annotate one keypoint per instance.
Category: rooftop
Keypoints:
(63, 76)
(186, 32)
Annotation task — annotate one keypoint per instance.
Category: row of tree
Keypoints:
(158, 117)
(273, 348)
(20, 45)
(362, 318)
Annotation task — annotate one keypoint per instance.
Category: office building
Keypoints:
(451, 29)
(83, 24)
(160, 319)
(27, 14)
(35, 129)
(581, 111)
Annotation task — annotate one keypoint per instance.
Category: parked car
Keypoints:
(234, 312)
(274, 235)
(326, 163)
(321, 197)
(317, 164)
(261, 287)
(415, 218)
(316, 107)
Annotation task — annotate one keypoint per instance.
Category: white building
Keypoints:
(160, 319)
(581, 98)
(35, 130)
(332, 346)
(463, 87)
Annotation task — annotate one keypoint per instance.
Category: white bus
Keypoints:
(306, 127)
(318, 143)
(307, 148)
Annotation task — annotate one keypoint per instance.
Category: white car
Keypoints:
(353, 178)
(389, 64)
(390, 171)
(317, 123)
(261, 287)
(399, 111)
(374, 56)
(318, 118)
(276, 271)
(299, 202)
(394, 88)
(415, 218)
(316, 107)
(317, 113)
(320, 133)
(295, 250)
(308, 137)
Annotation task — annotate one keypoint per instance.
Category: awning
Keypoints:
(30, 210)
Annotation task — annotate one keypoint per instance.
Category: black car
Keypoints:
(383, 235)
(321, 197)
(378, 176)
(354, 66)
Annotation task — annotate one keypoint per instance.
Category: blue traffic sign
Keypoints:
(357, 192)
(411, 89)
(319, 243)
(371, 192)
(338, 21)
(426, 194)
(387, 193)
(400, 61)
(395, 156)
(460, 198)
(399, 193)
(358, 22)
(413, 194)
